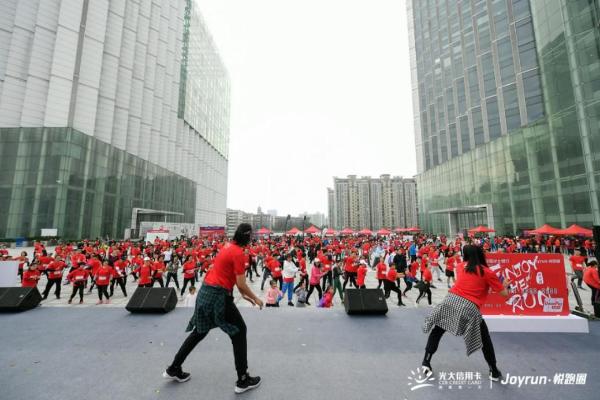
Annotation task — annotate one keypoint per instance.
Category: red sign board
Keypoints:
(539, 285)
(212, 230)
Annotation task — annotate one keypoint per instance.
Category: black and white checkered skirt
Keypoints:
(460, 317)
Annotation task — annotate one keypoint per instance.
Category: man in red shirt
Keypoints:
(577, 264)
(55, 271)
(215, 308)
(119, 276)
(31, 276)
(389, 285)
(591, 278)
(158, 269)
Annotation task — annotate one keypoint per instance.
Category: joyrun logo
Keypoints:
(420, 378)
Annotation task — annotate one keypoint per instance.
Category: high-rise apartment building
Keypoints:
(111, 111)
(506, 97)
(374, 203)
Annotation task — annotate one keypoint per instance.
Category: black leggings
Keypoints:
(185, 282)
(103, 289)
(409, 285)
(424, 290)
(312, 288)
(302, 279)
(266, 275)
(328, 277)
(240, 348)
(488, 347)
(172, 275)
(77, 288)
(352, 277)
(159, 280)
(121, 283)
(51, 282)
(390, 286)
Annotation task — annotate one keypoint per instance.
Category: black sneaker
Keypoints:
(246, 383)
(290, 304)
(176, 374)
(495, 375)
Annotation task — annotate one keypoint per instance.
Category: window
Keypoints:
(511, 108)
(460, 96)
(474, 96)
(526, 44)
(453, 140)
(464, 134)
(505, 61)
(533, 95)
(493, 118)
(477, 126)
(489, 78)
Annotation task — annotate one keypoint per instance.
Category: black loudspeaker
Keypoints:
(152, 300)
(15, 299)
(365, 302)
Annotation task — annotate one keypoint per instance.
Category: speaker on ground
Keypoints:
(16, 299)
(152, 300)
(365, 302)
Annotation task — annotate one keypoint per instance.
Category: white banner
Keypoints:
(9, 273)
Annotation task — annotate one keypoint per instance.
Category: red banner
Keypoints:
(211, 230)
(539, 284)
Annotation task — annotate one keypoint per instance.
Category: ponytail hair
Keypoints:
(471, 255)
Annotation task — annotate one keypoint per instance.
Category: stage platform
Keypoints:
(308, 354)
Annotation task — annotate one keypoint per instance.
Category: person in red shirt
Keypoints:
(276, 273)
(119, 276)
(189, 273)
(78, 277)
(577, 264)
(350, 268)
(381, 273)
(591, 278)
(424, 285)
(23, 260)
(361, 274)
(158, 269)
(55, 271)
(31, 276)
(389, 285)
(145, 272)
(451, 262)
(215, 308)
(460, 314)
(102, 278)
(94, 264)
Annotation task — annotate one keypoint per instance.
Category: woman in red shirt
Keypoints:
(189, 273)
(425, 285)
(78, 277)
(102, 278)
(145, 271)
(361, 274)
(31, 276)
(459, 312)
(215, 308)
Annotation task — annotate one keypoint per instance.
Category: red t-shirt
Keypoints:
(78, 276)
(391, 275)
(475, 287)
(229, 263)
(577, 262)
(362, 273)
(30, 278)
(381, 270)
(189, 269)
(103, 276)
(427, 277)
(591, 278)
(145, 272)
(55, 269)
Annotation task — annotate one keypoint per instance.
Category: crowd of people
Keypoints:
(299, 270)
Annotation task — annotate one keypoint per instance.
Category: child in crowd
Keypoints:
(301, 294)
(327, 300)
(190, 298)
(274, 294)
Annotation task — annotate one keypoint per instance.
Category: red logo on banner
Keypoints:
(539, 284)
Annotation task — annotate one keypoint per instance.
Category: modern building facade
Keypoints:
(506, 97)
(374, 203)
(258, 220)
(107, 108)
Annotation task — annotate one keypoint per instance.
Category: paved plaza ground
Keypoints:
(302, 354)
(118, 301)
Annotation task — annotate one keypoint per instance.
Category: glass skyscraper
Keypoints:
(109, 108)
(506, 97)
